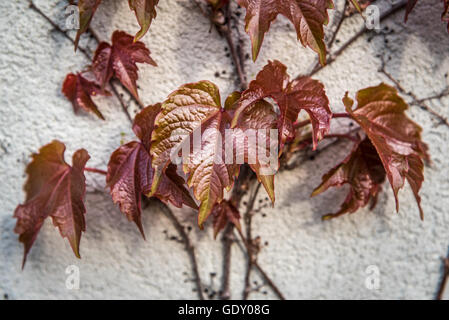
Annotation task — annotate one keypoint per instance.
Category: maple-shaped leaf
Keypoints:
(87, 10)
(381, 114)
(53, 189)
(130, 173)
(363, 171)
(79, 91)
(195, 109)
(308, 17)
(119, 60)
(303, 93)
(222, 214)
(145, 11)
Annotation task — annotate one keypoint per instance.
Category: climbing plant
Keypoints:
(198, 150)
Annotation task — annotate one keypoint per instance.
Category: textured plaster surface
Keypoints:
(307, 258)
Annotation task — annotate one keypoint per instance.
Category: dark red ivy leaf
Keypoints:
(380, 112)
(222, 213)
(53, 189)
(79, 91)
(130, 173)
(119, 60)
(363, 171)
(303, 93)
(308, 17)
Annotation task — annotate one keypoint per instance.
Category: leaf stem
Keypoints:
(341, 115)
(228, 239)
(252, 257)
(226, 31)
(94, 170)
(306, 122)
(122, 102)
(188, 244)
(261, 271)
(86, 54)
(301, 124)
(340, 23)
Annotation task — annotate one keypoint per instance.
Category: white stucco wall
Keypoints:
(307, 258)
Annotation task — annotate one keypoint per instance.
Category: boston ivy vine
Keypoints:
(386, 143)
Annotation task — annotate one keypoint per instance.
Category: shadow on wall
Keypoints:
(424, 26)
(329, 201)
(105, 223)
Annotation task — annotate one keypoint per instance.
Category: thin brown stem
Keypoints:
(306, 122)
(252, 253)
(269, 281)
(55, 26)
(444, 279)
(246, 178)
(301, 124)
(185, 237)
(444, 120)
(290, 166)
(341, 115)
(337, 29)
(226, 31)
(262, 272)
(94, 170)
(228, 239)
(440, 95)
(137, 101)
(188, 244)
(122, 102)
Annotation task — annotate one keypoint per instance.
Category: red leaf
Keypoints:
(308, 17)
(363, 171)
(87, 10)
(79, 91)
(381, 114)
(119, 60)
(291, 96)
(194, 112)
(130, 173)
(53, 189)
(195, 108)
(259, 117)
(145, 11)
(223, 213)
